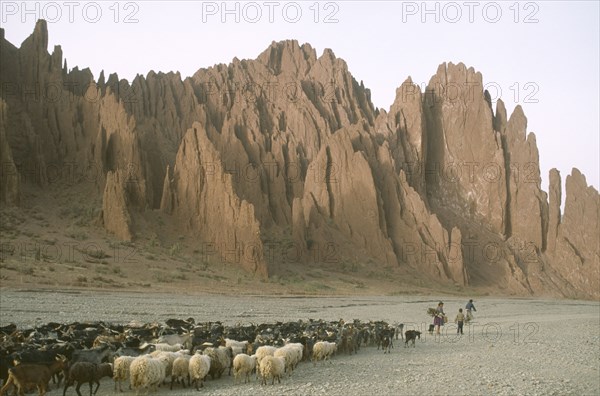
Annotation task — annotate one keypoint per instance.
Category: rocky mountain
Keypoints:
(284, 159)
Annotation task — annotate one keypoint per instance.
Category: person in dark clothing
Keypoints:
(470, 307)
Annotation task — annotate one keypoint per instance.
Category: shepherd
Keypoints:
(438, 319)
(470, 307)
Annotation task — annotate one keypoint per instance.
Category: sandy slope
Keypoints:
(516, 346)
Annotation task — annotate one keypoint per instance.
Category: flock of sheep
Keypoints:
(180, 352)
(147, 372)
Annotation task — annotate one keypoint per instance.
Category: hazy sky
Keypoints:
(543, 55)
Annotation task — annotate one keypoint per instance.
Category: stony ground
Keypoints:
(515, 346)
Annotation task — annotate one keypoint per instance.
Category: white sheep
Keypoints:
(238, 346)
(261, 353)
(147, 372)
(273, 367)
(323, 350)
(298, 348)
(170, 359)
(181, 370)
(243, 365)
(121, 370)
(177, 339)
(199, 368)
(287, 354)
(292, 353)
(221, 359)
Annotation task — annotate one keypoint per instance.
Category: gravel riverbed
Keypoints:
(515, 346)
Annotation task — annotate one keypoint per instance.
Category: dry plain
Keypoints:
(516, 346)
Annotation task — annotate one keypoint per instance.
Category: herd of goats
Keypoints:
(179, 350)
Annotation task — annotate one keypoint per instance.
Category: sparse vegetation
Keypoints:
(213, 276)
(162, 278)
(108, 281)
(81, 214)
(96, 253)
(274, 279)
(76, 234)
(175, 249)
(37, 216)
(359, 284)
(349, 266)
(26, 270)
(314, 287)
(100, 260)
(102, 269)
(139, 284)
(30, 234)
(154, 241)
(180, 276)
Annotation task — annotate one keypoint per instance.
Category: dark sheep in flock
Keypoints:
(92, 373)
(411, 335)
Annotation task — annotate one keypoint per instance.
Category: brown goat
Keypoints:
(25, 375)
(108, 339)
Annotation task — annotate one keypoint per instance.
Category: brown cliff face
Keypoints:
(576, 255)
(166, 201)
(115, 213)
(340, 186)
(250, 157)
(554, 201)
(10, 180)
(527, 203)
(464, 168)
(404, 128)
(455, 264)
(207, 205)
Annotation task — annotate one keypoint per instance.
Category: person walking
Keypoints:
(438, 319)
(460, 320)
(470, 307)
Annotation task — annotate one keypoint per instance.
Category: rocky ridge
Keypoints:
(286, 152)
